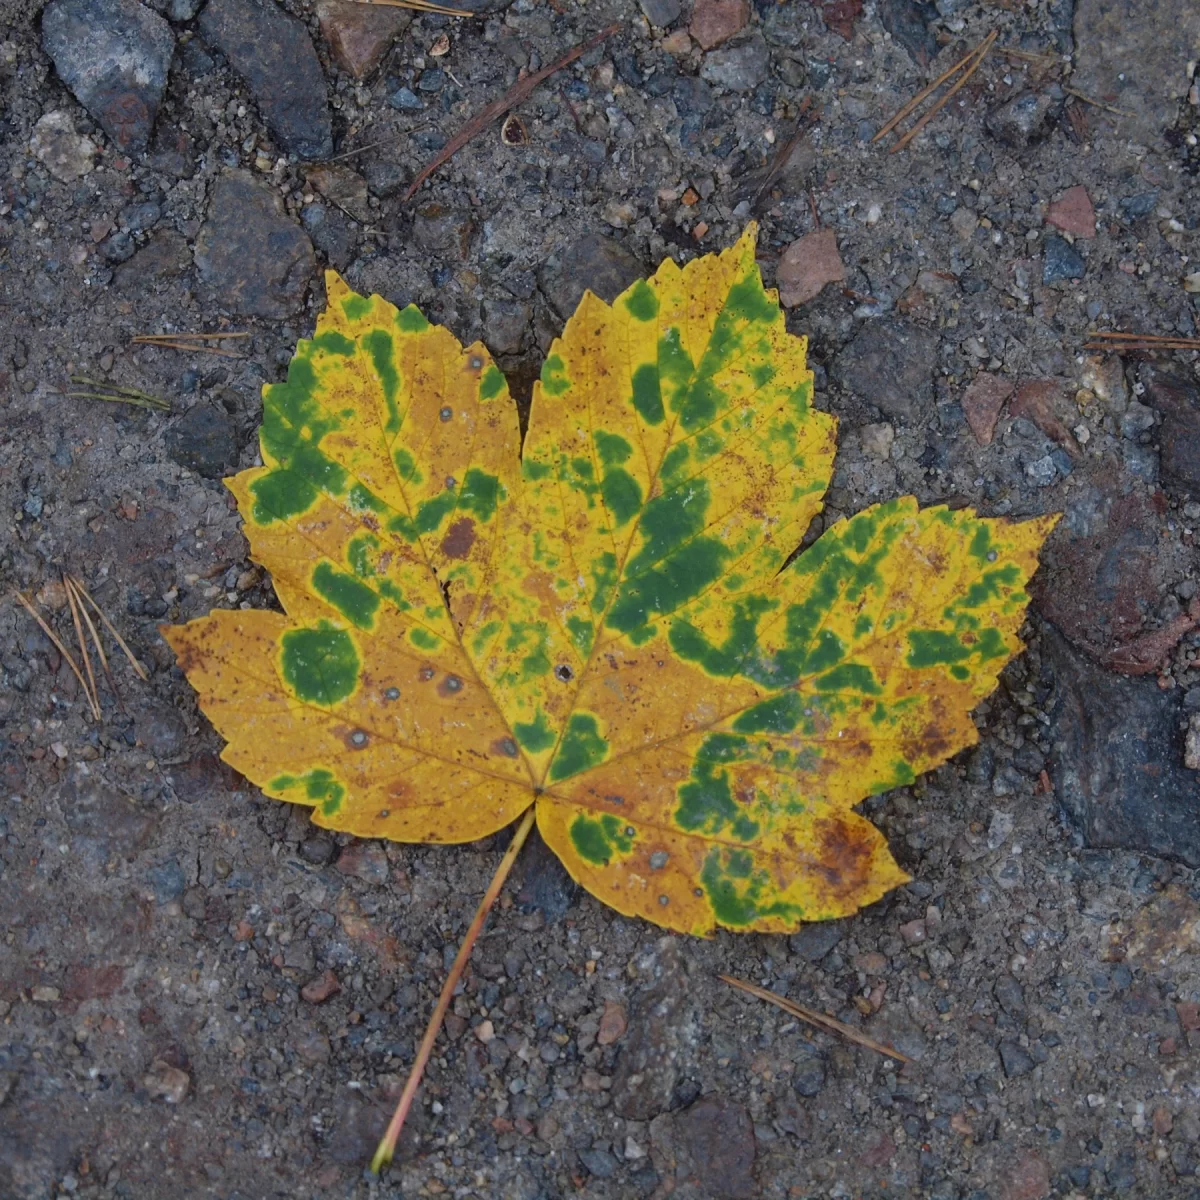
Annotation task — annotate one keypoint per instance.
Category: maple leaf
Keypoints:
(599, 628)
(601, 622)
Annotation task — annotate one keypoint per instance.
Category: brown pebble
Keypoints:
(982, 402)
(807, 265)
(613, 1023)
(716, 21)
(1162, 1120)
(1073, 213)
(318, 990)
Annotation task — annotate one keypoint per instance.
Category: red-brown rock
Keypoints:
(1073, 213)
(359, 35)
(716, 21)
(982, 402)
(318, 990)
(807, 266)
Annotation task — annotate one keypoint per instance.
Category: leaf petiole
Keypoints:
(387, 1146)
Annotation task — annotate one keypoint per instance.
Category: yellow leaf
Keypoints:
(600, 622)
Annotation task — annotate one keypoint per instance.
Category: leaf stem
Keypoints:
(387, 1146)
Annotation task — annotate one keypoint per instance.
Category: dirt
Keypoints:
(202, 995)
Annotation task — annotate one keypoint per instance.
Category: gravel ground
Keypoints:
(201, 995)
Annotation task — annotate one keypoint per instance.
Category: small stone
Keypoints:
(117, 248)
(318, 990)
(808, 1077)
(815, 940)
(485, 1031)
(317, 849)
(341, 185)
(1073, 213)
(204, 440)
(807, 265)
(405, 99)
(272, 52)
(1161, 1120)
(678, 44)
(594, 263)
(739, 66)
(613, 1023)
(165, 256)
(982, 402)
(877, 440)
(1177, 398)
(1010, 996)
(43, 993)
(1191, 744)
(909, 21)
(716, 21)
(1021, 120)
(620, 214)
(366, 861)
(386, 177)
(1015, 1060)
(444, 230)
(506, 324)
(1060, 260)
(254, 258)
(166, 1082)
(706, 1150)
(890, 364)
(599, 1162)
(913, 932)
(1115, 761)
(67, 155)
(964, 223)
(360, 35)
(661, 13)
(114, 56)
(1025, 1178)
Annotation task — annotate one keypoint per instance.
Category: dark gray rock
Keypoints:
(250, 253)
(114, 55)
(707, 1150)
(505, 324)
(1010, 996)
(661, 12)
(165, 256)
(1061, 260)
(738, 66)
(272, 52)
(814, 941)
(1021, 120)
(331, 234)
(1178, 400)
(138, 218)
(908, 22)
(808, 1076)
(167, 881)
(1015, 1060)
(1117, 758)
(890, 364)
(183, 10)
(406, 99)
(661, 1037)
(117, 247)
(439, 229)
(598, 1162)
(1135, 207)
(593, 263)
(204, 441)
(1134, 57)
(386, 178)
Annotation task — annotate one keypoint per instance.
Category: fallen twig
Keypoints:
(139, 670)
(421, 6)
(1108, 339)
(819, 1019)
(70, 661)
(115, 395)
(1120, 112)
(188, 342)
(518, 92)
(971, 64)
(92, 694)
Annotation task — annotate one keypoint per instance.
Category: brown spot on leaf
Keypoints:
(451, 685)
(459, 539)
(844, 852)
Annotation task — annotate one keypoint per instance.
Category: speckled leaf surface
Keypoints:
(600, 621)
